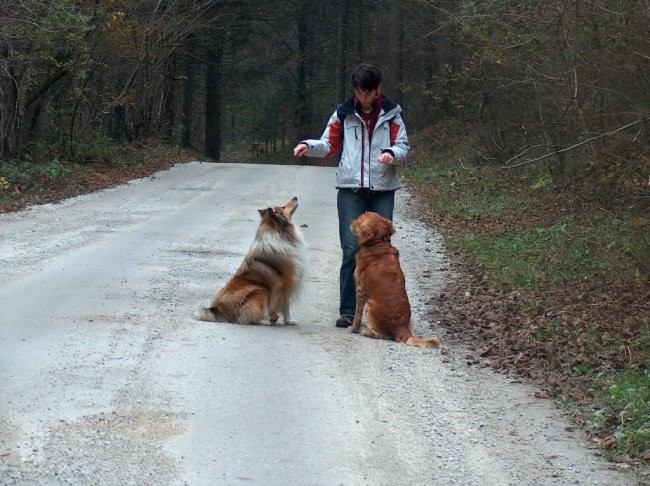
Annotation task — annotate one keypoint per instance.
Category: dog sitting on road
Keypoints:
(270, 276)
(380, 285)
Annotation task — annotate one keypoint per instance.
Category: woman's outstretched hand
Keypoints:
(300, 150)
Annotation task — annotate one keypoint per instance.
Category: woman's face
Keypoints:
(366, 98)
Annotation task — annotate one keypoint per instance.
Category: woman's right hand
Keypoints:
(300, 150)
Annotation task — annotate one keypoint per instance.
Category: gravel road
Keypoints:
(106, 380)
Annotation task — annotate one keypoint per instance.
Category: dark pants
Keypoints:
(352, 203)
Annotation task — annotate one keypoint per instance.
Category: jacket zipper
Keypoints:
(363, 152)
(363, 147)
(367, 131)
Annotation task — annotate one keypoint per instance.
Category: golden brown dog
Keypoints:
(380, 285)
(268, 278)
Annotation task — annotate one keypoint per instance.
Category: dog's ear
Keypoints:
(365, 232)
(264, 212)
(386, 226)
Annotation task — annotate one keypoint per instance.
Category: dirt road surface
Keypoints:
(105, 379)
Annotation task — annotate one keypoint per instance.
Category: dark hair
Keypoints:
(366, 76)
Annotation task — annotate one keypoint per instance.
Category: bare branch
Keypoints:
(526, 150)
(566, 149)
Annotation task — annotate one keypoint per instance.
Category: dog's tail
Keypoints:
(429, 342)
(405, 336)
(210, 314)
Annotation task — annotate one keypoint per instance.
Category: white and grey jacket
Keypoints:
(359, 167)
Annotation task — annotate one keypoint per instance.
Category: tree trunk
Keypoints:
(9, 118)
(359, 30)
(168, 102)
(35, 128)
(213, 97)
(117, 125)
(304, 22)
(396, 39)
(35, 118)
(341, 51)
(188, 93)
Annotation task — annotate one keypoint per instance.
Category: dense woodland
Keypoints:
(564, 83)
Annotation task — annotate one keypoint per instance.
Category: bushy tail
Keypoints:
(208, 314)
(430, 342)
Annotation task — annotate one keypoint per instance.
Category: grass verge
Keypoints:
(96, 166)
(558, 283)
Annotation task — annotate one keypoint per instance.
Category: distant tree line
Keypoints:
(563, 83)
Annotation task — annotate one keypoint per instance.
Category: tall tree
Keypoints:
(213, 91)
(189, 83)
(396, 55)
(342, 51)
(304, 19)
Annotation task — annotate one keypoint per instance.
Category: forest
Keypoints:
(555, 82)
(533, 113)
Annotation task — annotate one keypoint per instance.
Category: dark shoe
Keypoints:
(344, 321)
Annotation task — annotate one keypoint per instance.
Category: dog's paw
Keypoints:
(290, 322)
(205, 314)
(369, 333)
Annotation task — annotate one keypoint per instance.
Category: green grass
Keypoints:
(624, 412)
(464, 192)
(25, 170)
(100, 150)
(539, 257)
(573, 248)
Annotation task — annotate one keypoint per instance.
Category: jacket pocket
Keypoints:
(352, 130)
